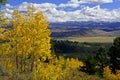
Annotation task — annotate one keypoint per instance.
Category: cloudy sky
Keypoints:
(70, 10)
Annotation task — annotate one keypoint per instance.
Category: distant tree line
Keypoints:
(65, 46)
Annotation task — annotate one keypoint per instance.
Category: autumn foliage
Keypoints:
(25, 49)
(107, 73)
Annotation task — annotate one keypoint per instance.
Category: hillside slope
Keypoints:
(85, 29)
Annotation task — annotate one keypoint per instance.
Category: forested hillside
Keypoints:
(76, 49)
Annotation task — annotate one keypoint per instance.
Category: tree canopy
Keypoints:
(114, 54)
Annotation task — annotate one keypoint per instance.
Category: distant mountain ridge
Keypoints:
(86, 24)
(81, 29)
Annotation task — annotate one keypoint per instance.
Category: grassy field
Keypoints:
(89, 39)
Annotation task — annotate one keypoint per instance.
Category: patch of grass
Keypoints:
(89, 39)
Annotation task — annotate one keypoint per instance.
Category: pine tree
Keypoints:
(102, 59)
(114, 54)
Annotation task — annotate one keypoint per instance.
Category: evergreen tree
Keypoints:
(102, 59)
(114, 54)
(90, 64)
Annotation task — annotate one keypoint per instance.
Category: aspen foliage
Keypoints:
(57, 69)
(74, 63)
(27, 41)
(3, 22)
(107, 74)
(3, 19)
(1, 35)
(30, 34)
(25, 50)
(29, 38)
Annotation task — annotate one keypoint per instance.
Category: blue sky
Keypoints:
(115, 4)
(70, 10)
(17, 2)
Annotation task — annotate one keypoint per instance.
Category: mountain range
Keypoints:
(85, 29)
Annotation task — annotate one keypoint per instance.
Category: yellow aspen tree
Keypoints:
(118, 74)
(57, 69)
(5, 60)
(29, 37)
(74, 63)
(3, 20)
(54, 70)
(107, 74)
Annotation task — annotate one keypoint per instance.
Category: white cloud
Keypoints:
(77, 3)
(96, 1)
(84, 14)
(91, 1)
(8, 6)
(41, 7)
(69, 5)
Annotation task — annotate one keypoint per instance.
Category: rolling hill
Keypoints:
(85, 29)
